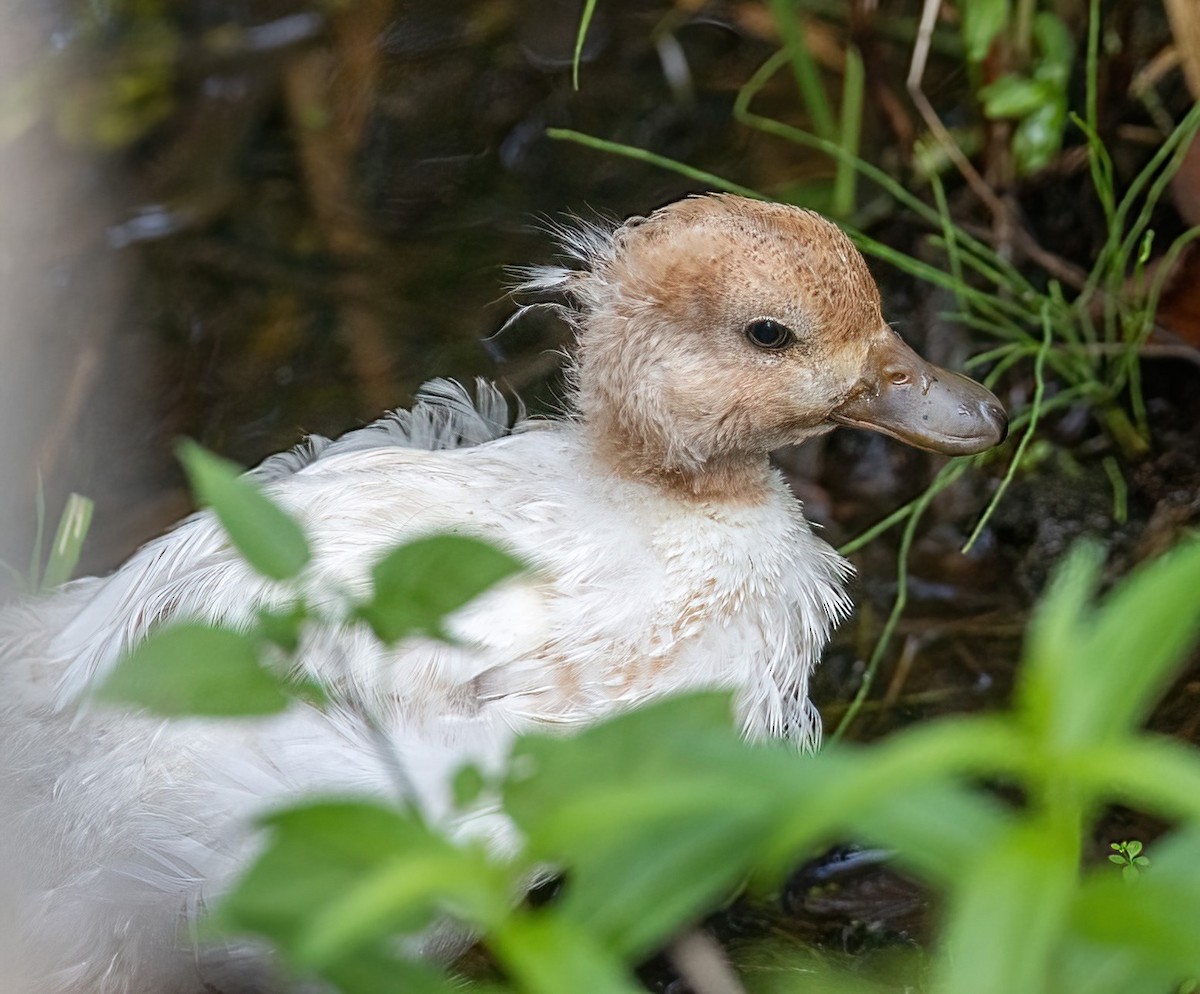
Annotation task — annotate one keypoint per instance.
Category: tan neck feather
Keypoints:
(742, 479)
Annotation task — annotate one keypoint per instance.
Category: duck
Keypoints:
(664, 554)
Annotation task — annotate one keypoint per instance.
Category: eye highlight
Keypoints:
(767, 333)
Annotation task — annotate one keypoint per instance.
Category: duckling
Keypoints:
(665, 554)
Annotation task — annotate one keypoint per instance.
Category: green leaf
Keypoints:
(636, 892)
(402, 889)
(982, 21)
(377, 970)
(283, 627)
(545, 954)
(1156, 913)
(266, 536)
(938, 829)
(338, 877)
(1014, 96)
(417, 585)
(1052, 642)
(196, 669)
(1006, 914)
(1136, 641)
(468, 785)
(1150, 774)
(1038, 137)
(315, 851)
(1056, 49)
(68, 541)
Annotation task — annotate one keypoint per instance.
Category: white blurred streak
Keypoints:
(60, 291)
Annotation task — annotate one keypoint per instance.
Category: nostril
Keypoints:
(999, 416)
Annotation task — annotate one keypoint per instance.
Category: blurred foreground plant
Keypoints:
(657, 816)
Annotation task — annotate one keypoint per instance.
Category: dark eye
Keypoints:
(768, 334)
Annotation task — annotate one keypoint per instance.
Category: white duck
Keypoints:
(668, 555)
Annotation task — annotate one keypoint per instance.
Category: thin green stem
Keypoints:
(804, 67)
(641, 155)
(1035, 410)
(844, 182)
(585, 21)
(947, 475)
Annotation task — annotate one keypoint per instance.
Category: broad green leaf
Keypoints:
(1131, 649)
(644, 886)
(316, 851)
(269, 539)
(1156, 775)
(847, 786)
(378, 970)
(417, 585)
(1105, 968)
(663, 735)
(1052, 641)
(1006, 914)
(939, 829)
(403, 888)
(196, 669)
(468, 784)
(545, 954)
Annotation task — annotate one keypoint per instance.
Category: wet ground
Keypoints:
(316, 219)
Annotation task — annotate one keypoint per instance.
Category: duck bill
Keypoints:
(904, 396)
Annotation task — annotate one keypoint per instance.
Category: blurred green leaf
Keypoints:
(196, 669)
(282, 627)
(939, 829)
(266, 536)
(469, 783)
(982, 21)
(1152, 774)
(1156, 913)
(1053, 637)
(849, 786)
(1006, 914)
(1038, 137)
(315, 852)
(1014, 96)
(397, 891)
(1056, 49)
(1130, 648)
(417, 585)
(637, 892)
(377, 970)
(1104, 968)
(68, 541)
(545, 954)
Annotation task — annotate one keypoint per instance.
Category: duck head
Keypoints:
(720, 328)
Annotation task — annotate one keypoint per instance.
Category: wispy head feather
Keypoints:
(587, 246)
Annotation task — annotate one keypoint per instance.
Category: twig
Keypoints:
(1009, 230)
(702, 964)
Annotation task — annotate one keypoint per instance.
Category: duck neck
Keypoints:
(732, 478)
